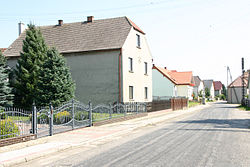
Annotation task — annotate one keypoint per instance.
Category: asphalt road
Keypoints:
(216, 136)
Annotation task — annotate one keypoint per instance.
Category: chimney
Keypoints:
(60, 22)
(90, 19)
(21, 28)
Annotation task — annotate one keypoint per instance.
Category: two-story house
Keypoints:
(209, 85)
(109, 59)
(217, 88)
(198, 87)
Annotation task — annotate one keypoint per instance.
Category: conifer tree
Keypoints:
(28, 67)
(55, 83)
(5, 90)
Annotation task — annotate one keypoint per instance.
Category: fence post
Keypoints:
(125, 109)
(34, 119)
(51, 120)
(73, 114)
(110, 111)
(90, 114)
(136, 107)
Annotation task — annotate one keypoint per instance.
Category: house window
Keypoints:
(131, 91)
(130, 64)
(145, 68)
(146, 92)
(138, 40)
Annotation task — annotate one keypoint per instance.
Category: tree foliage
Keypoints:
(5, 90)
(207, 93)
(28, 68)
(55, 83)
(41, 74)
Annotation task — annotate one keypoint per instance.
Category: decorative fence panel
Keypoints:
(15, 122)
(71, 115)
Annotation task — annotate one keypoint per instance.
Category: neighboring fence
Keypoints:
(179, 103)
(71, 115)
(166, 102)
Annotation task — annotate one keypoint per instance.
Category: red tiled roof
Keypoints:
(2, 49)
(217, 85)
(178, 78)
(135, 26)
(238, 81)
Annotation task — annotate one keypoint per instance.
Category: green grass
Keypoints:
(103, 116)
(193, 103)
(244, 108)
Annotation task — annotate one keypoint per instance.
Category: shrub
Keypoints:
(8, 129)
(2, 115)
(81, 115)
(222, 97)
(41, 118)
(62, 117)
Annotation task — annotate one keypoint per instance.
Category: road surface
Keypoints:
(215, 136)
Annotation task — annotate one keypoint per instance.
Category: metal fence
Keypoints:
(71, 115)
(15, 122)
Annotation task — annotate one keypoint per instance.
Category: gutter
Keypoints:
(120, 76)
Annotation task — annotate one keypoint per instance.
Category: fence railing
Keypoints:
(50, 120)
(15, 122)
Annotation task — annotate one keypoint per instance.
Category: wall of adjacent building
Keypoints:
(234, 95)
(185, 90)
(95, 75)
(137, 78)
(162, 86)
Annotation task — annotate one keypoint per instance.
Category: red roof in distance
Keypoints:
(178, 78)
(2, 49)
(217, 85)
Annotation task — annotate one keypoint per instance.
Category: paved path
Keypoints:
(215, 136)
(49, 146)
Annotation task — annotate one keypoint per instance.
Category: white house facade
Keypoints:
(137, 68)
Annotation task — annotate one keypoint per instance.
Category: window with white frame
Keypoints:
(145, 68)
(138, 38)
(146, 92)
(131, 92)
(130, 64)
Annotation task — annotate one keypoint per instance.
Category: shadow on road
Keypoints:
(222, 123)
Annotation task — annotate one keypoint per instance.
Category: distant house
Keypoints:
(198, 86)
(234, 90)
(172, 83)
(2, 49)
(209, 84)
(163, 83)
(109, 59)
(217, 88)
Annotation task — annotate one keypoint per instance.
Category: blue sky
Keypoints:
(202, 36)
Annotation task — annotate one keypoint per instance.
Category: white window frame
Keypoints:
(131, 92)
(130, 64)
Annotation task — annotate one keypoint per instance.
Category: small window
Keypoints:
(145, 68)
(138, 40)
(146, 92)
(130, 64)
(131, 91)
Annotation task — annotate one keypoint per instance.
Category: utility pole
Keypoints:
(243, 86)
